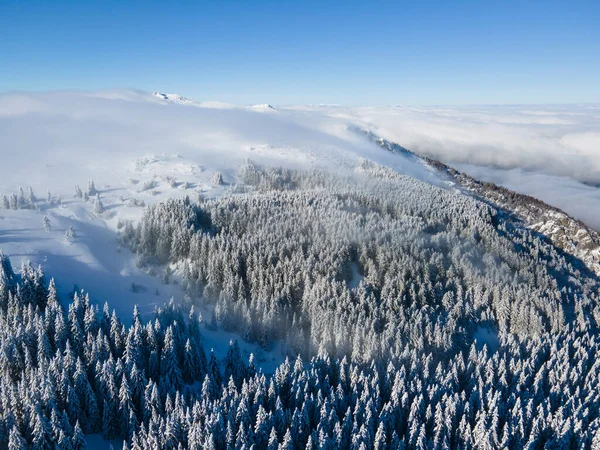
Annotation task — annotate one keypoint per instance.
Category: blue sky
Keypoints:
(418, 52)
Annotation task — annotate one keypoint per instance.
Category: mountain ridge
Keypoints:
(566, 232)
(181, 100)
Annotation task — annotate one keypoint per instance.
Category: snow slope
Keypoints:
(141, 148)
(60, 139)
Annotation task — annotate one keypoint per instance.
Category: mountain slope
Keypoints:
(567, 233)
(422, 308)
(141, 149)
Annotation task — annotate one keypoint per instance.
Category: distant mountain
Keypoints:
(175, 98)
(265, 107)
(181, 100)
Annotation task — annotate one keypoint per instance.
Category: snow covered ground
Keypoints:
(56, 140)
(141, 148)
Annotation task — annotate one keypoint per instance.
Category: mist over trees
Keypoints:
(413, 318)
(314, 260)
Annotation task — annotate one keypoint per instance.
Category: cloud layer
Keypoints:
(549, 152)
(564, 140)
(579, 200)
(55, 140)
(58, 139)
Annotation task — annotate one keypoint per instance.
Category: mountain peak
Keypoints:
(263, 107)
(174, 98)
(181, 100)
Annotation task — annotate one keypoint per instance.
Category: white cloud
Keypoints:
(577, 199)
(55, 140)
(563, 140)
(549, 152)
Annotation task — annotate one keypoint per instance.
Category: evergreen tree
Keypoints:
(91, 190)
(170, 373)
(31, 198)
(98, 206)
(233, 364)
(47, 224)
(40, 432)
(16, 441)
(217, 179)
(109, 419)
(78, 440)
(70, 234)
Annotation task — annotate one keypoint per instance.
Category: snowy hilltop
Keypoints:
(183, 274)
(180, 100)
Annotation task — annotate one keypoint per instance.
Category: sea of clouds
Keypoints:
(54, 140)
(550, 152)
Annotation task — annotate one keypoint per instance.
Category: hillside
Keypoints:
(569, 234)
(140, 149)
(236, 277)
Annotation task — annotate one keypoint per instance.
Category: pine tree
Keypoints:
(287, 443)
(126, 409)
(16, 441)
(63, 441)
(380, 438)
(91, 191)
(47, 224)
(31, 198)
(272, 444)
(21, 200)
(233, 364)
(213, 369)
(70, 234)
(98, 206)
(40, 431)
(213, 322)
(262, 428)
(217, 179)
(109, 417)
(170, 373)
(193, 368)
(78, 440)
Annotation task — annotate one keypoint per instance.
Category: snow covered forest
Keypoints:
(296, 225)
(413, 318)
